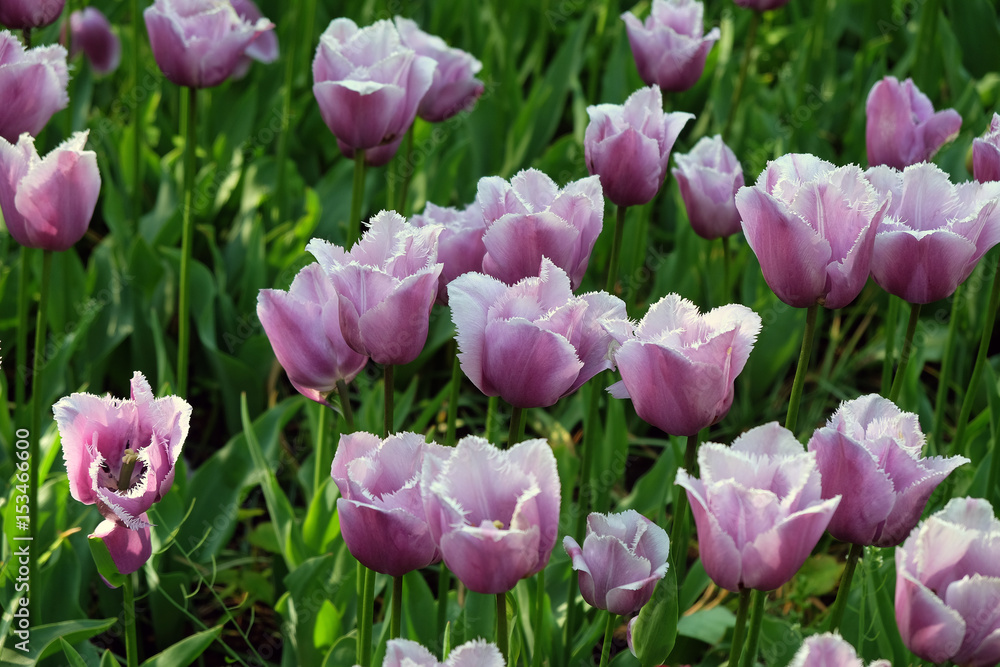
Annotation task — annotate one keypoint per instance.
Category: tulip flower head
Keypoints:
(902, 127)
(671, 46)
(872, 444)
(948, 586)
(679, 366)
(709, 178)
(28, 14)
(493, 513)
(628, 145)
(622, 558)
(91, 34)
(386, 285)
(758, 508)
(120, 455)
(303, 325)
(199, 43)
(534, 342)
(812, 227)
(460, 245)
(264, 49)
(48, 202)
(830, 650)
(381, 510)
(475, 653)
(530, 218)
(934, 233)
(32, 86)
(986, 153)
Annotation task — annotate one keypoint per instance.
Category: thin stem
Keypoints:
(905, 353)
(840, 604)
(137, 119)
(945, 377)
(756, 620)
(744, 68)
(308, 39)
(23, 297)
(131, 645)
(444, 585)
(183, 320)
(320, 447)
(726, 258)
(741, 625)
(26, 36)
(616, 249)
(891, 321)
(491, 412)
(516, 418)
(286, 112)
(396, 621)
(345, 405)
(609, 630)
(407, 171)
(360, 589)
(365, 620)
(453, 394)
(37, 389)
(502, 625)
(800, 371)
(679, 533)
(357, 194)
(390, 397)
(536, 655)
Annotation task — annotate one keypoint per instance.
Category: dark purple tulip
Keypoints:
(986, 153)
(32, 86)
(830, 650)
(28, 14)
(622, 558)
(493, 513)
(709, 178)
(91, 34)
(670, 48)
(460, 245)
(380, 510)
(629, 145)
(870, 443)
(902, 127)
(948, 586)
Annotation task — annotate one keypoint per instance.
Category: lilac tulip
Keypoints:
(622, 558)
(91, 34)
(761, 5)
(32, 86)
(303, 325)
(380, 509)
(368, 83)
(709, 178)
(199, 43)
(758, 508)
(460, 245)
(455, 87)
(986, 153)
(872, 444)
(534, 342)
(530, 218)
(934, 233)
(475, 653)
(902, 128)
(628, 145)
(830, 650)
(948, 586)
(129, 549)
(386, 286)
(264, 49)
(48, 202)
(678, 366)
(28, 14)
(670, 48)
(812, 227)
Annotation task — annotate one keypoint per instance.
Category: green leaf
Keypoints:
(44, 640)
(656, 630)
(343, 653)
(109, 659)
(186, 651)
(105, 563)
(707, 625)
(75, 660)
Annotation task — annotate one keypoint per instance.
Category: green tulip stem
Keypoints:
(756, 621)
(184, 306)
(905, 353)
(396, 620)
(744, 68)
(320, 447)
(536, 654)
(609, 629)
(679, 533)
(137, 117)
(944, 379)
(454, 392)
(502, 625)
(280, 211)
(407, 170)
(345, 406)
(131, 644)
(359, 622)
(891, 324)
(357, 195)
(390, 396)
(800, 371)
(444, 585)
(616, 249)
(23, 296)
(26, 36)
(741, 626)
(840, 604)
(365, 612)
(516, 425)
(491, 417)
(726, 259)
(957, 445)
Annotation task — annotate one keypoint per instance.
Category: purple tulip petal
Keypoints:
(130, 549)
(929, 628)
(488, 560)
(934, 264)
(532, 367)
(390, 541)
(475, 653)
(471, 297)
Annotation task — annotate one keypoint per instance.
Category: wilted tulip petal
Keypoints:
(29, 14)
(48, 202)
(32, 86)
(986, 153)
(460, 245)
(91, 34)
(902, 128)
(670, 48)
(830, 650)
(129, 549)
(709, 177)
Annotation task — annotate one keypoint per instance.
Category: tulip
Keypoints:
(129, 549)
(454, 87)
(671, 46)
(48, 202)
(380, 509)
(475, 653)
(531, 218)
(32, 86)
(758, 508)
(948, 586)
(761, 5)
(902, 128)
(199, 43)
(830, 650)
(628, 145)
(622, 558)
(812, 227)
(493, 513)
(264, 49)
(679, 366)
(986, 153)
(386, 285)
(368, 83)
(534, 342)
(460, 245)
(934, 233)
(709, 177)
(28, 14)
(870, 443)
(91, 34)
(303, 325)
